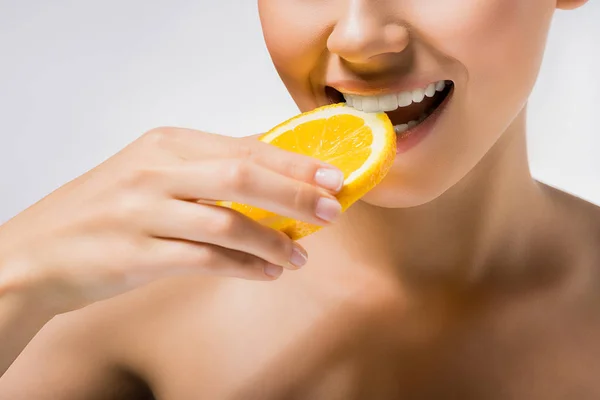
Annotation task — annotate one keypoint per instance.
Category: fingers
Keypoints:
(205, 168)
(195, 146)
(298, 167)
(177, 257)
(249, 183)
(225, 228)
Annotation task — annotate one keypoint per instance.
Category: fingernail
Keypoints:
(299, 256)
(273, 271)
(328, 209)
(329, 178)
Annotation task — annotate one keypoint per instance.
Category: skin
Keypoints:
(149, 213)
(458, 277)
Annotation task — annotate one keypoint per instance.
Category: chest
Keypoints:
(524, 353)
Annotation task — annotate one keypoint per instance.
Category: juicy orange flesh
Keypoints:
(343, 141)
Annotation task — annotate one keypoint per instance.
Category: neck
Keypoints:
(487, 219)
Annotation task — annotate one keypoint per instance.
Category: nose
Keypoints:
(364, 32)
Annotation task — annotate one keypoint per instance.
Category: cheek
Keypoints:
(494, 48)
(500, 43)
(296, 34)
(474, 30)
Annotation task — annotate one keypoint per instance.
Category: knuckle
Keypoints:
(249, 264)
(279, 244)
(238, 175)
(205, 256)
(304, 197)
(223, 224)
(171, 139)
(157, 137)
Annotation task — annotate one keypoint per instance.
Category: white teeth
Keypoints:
(430, 91)
(400, 128)
(404, 99)
(389, 102)
(418, 95)
(357, 102)
(409, 125)
(370, 104)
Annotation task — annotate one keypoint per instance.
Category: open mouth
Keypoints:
(405, 109)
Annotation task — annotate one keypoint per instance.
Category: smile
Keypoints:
(406, 109)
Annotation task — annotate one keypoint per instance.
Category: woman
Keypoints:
(459, 276)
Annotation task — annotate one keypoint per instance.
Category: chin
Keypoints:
(391, 193)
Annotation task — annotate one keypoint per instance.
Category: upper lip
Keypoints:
(371, 88)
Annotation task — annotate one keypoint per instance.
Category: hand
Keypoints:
(149, 212)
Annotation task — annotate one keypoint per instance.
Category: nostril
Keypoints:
(333, 95)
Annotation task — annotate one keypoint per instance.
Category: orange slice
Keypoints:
(362, 145)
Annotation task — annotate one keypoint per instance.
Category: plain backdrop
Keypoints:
(80, 79)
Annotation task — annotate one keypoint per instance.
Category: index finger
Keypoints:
(298, 166)
(293, 165)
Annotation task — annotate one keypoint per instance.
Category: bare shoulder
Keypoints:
(69, 359)
(154, 337)
(580, 221)
(92, 353)
(584, 213)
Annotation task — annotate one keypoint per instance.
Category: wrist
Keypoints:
(23, 285)
(22, 313)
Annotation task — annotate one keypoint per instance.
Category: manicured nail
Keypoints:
(273, 271)
(299, 256)
(328, 209)
(329, 178)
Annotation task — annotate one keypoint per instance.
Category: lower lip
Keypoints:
(410, 138)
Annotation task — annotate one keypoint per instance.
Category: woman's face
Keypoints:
(382, 54)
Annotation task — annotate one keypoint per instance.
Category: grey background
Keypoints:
(80, 79)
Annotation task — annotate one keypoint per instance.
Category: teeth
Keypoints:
(430, 91)
(400, 128)
(409, 125)
(370, 104)
(389, 102)
(418, 95)
(404, 99)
